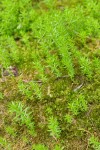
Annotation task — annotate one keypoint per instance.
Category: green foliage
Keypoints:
(10, 131)
(78, 105)
(57, 147)
(1, 96)
(22, 116)
(55, 47)
(24, 90)
(40, 69)
(50, 3)
(68, 118)
(96, 65)
(37, 90)
(55, 34)
(4, 143)
(53, 64)
(58, 30)
(9, 52)
(8, 17)
(94, 142)
(39, 147)
(53, 127)
(15, 16)
(30, 89)
(85, 66)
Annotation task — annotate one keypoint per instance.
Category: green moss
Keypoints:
(55, 47)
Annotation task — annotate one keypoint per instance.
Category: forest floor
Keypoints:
(50, 75)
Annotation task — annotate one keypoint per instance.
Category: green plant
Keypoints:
(36, 88)
(53, 64)
(55, 46)
(85, 66)
(9, 51)
(15, 16)
(68, 118)
(78, 105)
(40, 69)
(53, 127)
(39, 147)
(1, 96)
(23, 88)
(57, 147)
(30, 89)
(4, 143)
(49, 111)
(96, 65)
(54, 33)
(10, 130)
(94, 142)
(22, 115)
(9, 17)
(50, 3)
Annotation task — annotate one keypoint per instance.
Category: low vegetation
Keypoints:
(49, 75)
